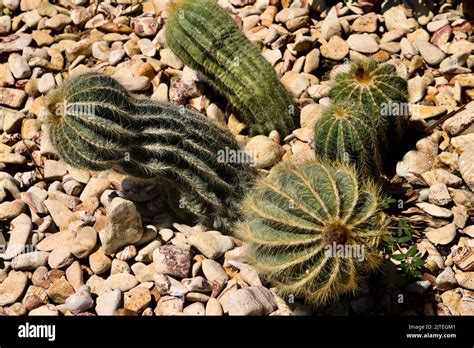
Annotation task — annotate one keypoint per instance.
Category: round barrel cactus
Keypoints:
(378, 89)
(345, 133)
(312, 230)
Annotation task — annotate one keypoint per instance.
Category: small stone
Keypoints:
(446, 280)
(213, 271)
(251, 301)
(396, 19)
(58, 22)
(123, 226)
(98, 285)
(264, 151)
(466, 280)
(5, 25)
(60, 257)
(108, 302)
(20, 231)
(30, 261)
(431, 54)
(15, 42)
(12, 5)
(81, 301)
(439, 194)
(172, 260)
(466, 167)
(335, 49)
(94, 188)
(312, 61)
(84, 242)
(211, 244)
(310, 114)
(463, 257)
(60, 290)
(416, 89)
(434, 210)
(54, 170)
(366, 23)
(42, 38)
(145, 26)
(137, 299)
(440, 175)
(46, 83)
(59, 212)
(99, 262)
(169, 305)
(74, 275)
(119, 266)
(436, 25)
(466, 305)
(170, 59)
(272, 56)
(130, 82)
(196, 308)
(127, 253)
(101, 50)
(46, 310)
(18, 66)
(121, 281)
(147, 47)
(12, 287)
(16, 309)
(213, 307)
(443, 235)
(363, 43)
(13, 98)
(330, 27)
(12, 120)
(459, 123)
(295, 83)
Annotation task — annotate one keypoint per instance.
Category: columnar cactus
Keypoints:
(313, 230)
(345, 133)
(378, 89)
(95, 123)
(208, 40)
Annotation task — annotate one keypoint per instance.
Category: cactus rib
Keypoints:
(207, 39)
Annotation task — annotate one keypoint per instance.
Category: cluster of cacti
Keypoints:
(299, 218)
(379, 90)
(208, 40)
(95, 123)
(344, 132)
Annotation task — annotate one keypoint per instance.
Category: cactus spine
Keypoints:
(95, 123)
(294, 219)
(379, 90)
(207, 39)
(344, 133)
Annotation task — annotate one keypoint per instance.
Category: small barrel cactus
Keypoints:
(313, 229)
(208, 40)
(379, 90)
(94, 123)
(345, 133)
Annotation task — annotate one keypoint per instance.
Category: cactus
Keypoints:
(379, 90)
(95, 123)
(345, 133)
(298, 216)
(207, 39)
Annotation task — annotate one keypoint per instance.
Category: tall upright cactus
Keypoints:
(95, 123)
(313, 230)
(379, 90)
(345, 133)
(208, 40)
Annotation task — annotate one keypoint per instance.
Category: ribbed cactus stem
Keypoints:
(298, 219)
(345, 133)
(208, 40)
(376, 88)
(103, 127)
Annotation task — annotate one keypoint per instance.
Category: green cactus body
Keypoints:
(345, 133)
(207, 39)
(294, 216)
(379, 90)
(103, 127)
